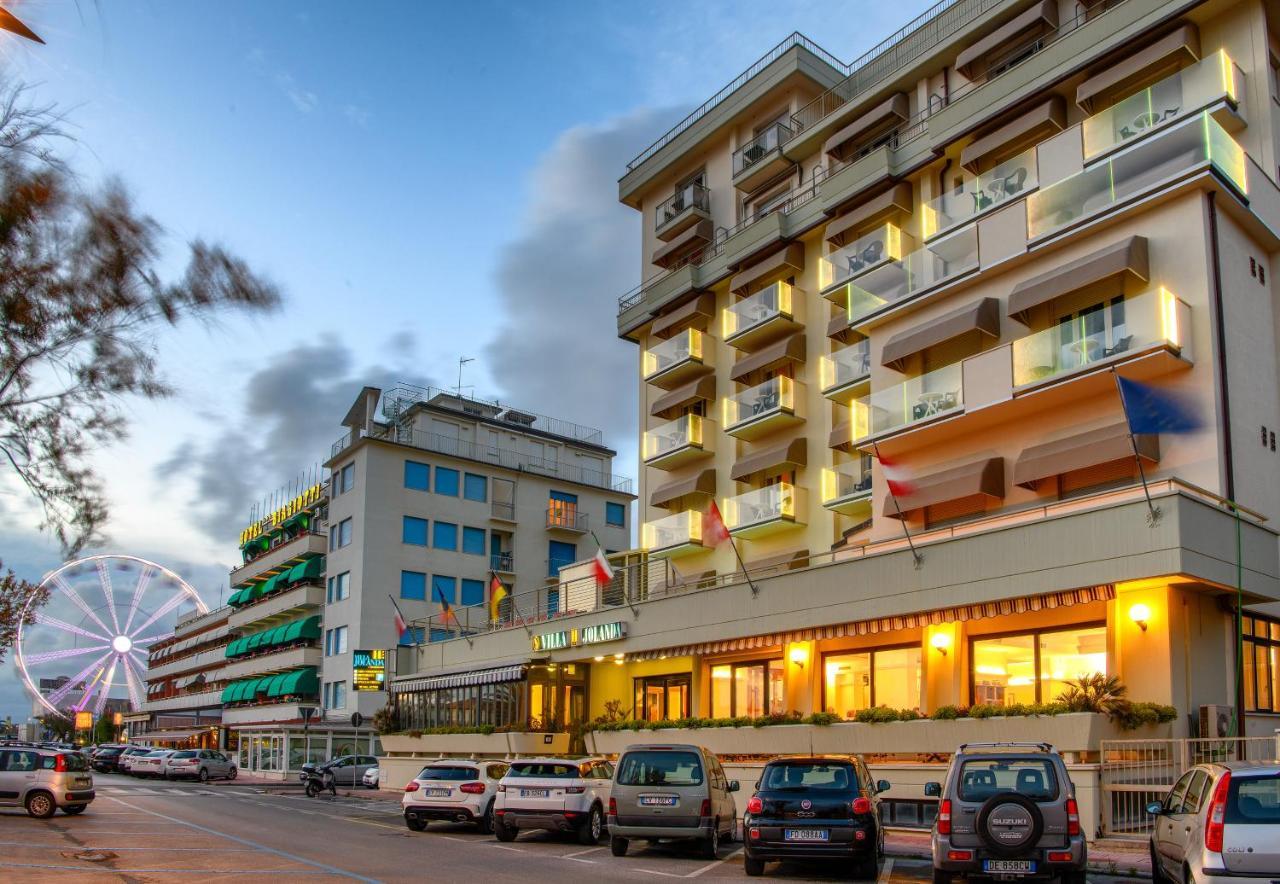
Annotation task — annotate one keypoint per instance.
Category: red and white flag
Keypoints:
(896, 478)
(604, 573)
(401, 626)
(714, 531)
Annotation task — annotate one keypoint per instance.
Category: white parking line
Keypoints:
(712, 865)
(504, 847)
(885, 871)
(582, 852)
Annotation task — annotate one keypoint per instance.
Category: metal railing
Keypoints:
(761, 146)
(691, 196)
(502, 510)
(399, 398)
(504, 562)
(568, 518)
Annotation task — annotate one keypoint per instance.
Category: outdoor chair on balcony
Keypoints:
(1121, 345)
(868, 256)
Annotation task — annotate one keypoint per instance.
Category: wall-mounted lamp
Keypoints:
(940, 642)
(799, 655)
(1140, 614)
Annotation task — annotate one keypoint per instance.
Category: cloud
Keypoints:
(304, 100)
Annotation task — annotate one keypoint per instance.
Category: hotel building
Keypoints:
(184, 679)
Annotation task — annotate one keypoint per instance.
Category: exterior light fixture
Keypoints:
(940, 641)
(599, 658)
(799, 655)
(1140, 614)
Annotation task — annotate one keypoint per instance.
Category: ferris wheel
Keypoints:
(101, 615)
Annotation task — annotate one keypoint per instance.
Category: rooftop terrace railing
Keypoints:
(398, 399)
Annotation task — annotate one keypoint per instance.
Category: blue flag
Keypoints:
(1151, 410)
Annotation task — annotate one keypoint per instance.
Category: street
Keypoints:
(139, 831)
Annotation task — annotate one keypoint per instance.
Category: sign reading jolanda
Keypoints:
(586, 635)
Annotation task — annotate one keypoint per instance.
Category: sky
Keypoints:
(424, 181)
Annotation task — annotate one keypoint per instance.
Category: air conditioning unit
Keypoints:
(1216, 720)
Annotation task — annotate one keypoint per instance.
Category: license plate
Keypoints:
(438, 793)
(82, 782)
(535, 793)
(658, 800)
(806, 835)
(1009, 866)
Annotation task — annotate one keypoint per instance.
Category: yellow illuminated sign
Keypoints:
(84, 721)
(307, 498)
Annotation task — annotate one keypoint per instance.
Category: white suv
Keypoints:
(461, 791)
(556, 794)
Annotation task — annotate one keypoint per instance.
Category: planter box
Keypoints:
(480, 745)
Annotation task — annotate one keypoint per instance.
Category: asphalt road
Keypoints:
(156, 831)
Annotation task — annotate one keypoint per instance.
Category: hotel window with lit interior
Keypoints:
(1035, 667)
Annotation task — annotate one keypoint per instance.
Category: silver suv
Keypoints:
(1007, 811)
(43, 780)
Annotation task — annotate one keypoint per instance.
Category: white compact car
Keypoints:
(555, 794)
(370, 778)
(150, 765)
(459, 791)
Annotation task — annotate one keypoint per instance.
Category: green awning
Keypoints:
(295, 573)
(229, 692)
(311, 569)
(276, 636)
(268, 586)
(299, 681)
(300, 629)
(235, 598)
(233, 647)
(255, 641)
(302, 519)
(273, 687)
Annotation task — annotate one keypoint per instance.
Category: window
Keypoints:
(662, 697)
(444, 535)
(347, 478)
(863, 679)
(615, 514)
(981, 778)
(562, 510)
(414, 531)
(1261, 664)
(339, 587)
(472, 592)
(747, 689)
(1034, 667)
(340, 534)
(475, 487)
(413, 585)
(446, 481)
(417, 475)
(335, 641)
(560, 554)
(339, 695)
(473, 541)
(444, 589)
(660, 768)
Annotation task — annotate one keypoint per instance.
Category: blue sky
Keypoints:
(424, 181)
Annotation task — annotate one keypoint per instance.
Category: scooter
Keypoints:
(316, 780)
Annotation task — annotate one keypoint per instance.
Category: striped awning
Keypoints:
(1004, 607)
(462, 679)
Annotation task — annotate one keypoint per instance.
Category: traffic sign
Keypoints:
(356, 720)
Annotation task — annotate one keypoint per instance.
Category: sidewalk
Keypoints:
(1107, 856)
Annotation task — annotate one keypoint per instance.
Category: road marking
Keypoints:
(333, 870)
(64, 846)
(582, 852)
(171, 871)
(712, 865)
(456, 838)
(885, 871)
(663, 874)
(574, 859)
(504, 847)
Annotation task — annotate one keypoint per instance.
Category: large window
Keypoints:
(417, 476)
(475, 487)
(498, 705)
(1261, 664)
(339, 587)
(414, 531)
(335, 641)
(473, 541)
(662, 697)
(347, 478)
(413, 586)
(446, 481)
(472, 591)
(862, 679)
(340, 534)
(1034, 667)
(444, 535)
(747, 689)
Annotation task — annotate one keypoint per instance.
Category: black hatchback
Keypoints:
(822, 808)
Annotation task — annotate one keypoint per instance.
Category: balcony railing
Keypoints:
(567, 518)
(776, 396)
(691, 196)
(885, 243)
(676, 532)
(682, 439)
(1199, 141)
(938, 262)
(753, 312)
(667, 359)
(778, 505)
(504, 510)
(760, 147)
(1215, 77)
(930, 395)
(1113, 331)
(1010, 180)
(847, 483)
(503, 562)
(846, 367)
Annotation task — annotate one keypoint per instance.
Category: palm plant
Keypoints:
(1095, 693)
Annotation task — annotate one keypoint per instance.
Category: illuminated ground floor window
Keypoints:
(747, 689)
(1035, 667)
(857, 680)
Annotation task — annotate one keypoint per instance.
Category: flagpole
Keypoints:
(1153, 514)
(755, 590)
(916, 557)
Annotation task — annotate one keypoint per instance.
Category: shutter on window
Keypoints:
(1101, 474)
(954, 509)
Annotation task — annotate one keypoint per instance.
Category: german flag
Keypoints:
(497, 592)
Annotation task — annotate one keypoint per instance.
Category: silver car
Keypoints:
(1219, 823)
(349, 770)
(43, 780)
(199, 764)
(151, 764)
(671, 792)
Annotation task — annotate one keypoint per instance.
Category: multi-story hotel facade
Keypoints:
(942, 257)
(184, 683)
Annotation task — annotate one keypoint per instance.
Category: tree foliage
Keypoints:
(13, 597)
(82, 300)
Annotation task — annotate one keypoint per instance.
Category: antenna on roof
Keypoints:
(463, 360)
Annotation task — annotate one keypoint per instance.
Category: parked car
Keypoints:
(125, 759)
(815, 808)
(44, 780)
(107, 760)
(671, 792)
(554, 794)
(349, 770)
(370, 778)
(200, 764)
(151, 764)
(1007, 809)
(461, 791)
(1220, 822)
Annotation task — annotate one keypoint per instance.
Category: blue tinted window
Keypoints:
(473, 541)
(414, 531)
(446, 481)
(444, 535)
(560, 554)
(475, 487)
(444, 589)
(615, 514)
(417, 476)
(564, 497)
(413, 585)
(472, 592)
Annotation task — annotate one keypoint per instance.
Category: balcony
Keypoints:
(871, 250)
(764, 408)
(202, 700)
(756, 319)
(687, 438)
(1213, 79)
(765, 511)
(502, 511)
(846, 372)
(939, 262)
(927, 397)
(761, 158)
(680, 211)
(1194, 144)
(298, 598)
(678, 360)
(502, 563)
(566, 517)
(846, 488)
(678, 534)
(290, 552)
(267, 712)
(265, 664)
(1012, 179)
(191, 663)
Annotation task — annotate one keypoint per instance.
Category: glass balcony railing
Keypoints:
(776, 396)
(1009, 181)
(1111, 331)
(683, 350)
(1180, 149)
(755, 310)
(943, 259)
(885, 243)
(930, 395)
(1211, 79)
(846, 482)
(845, 367)
(691, 196)
(771, 505)
(671, 532)
(760, 147)
(684, 434)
